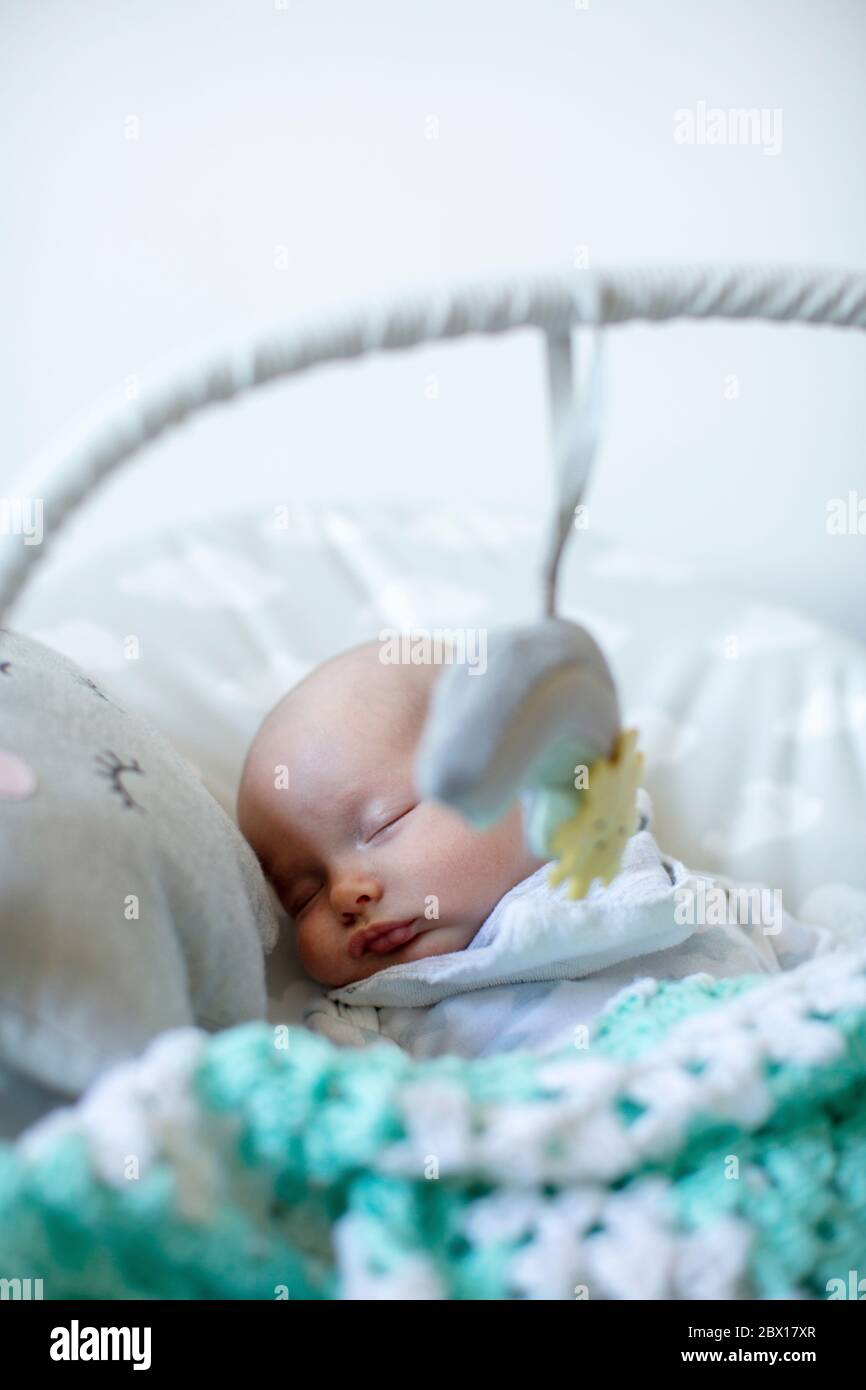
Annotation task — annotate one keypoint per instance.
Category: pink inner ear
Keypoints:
(17, 778)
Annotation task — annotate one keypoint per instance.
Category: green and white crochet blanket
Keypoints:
(709, 1142)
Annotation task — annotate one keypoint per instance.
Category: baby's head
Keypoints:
(328, 802)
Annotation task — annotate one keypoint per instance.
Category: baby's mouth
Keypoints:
(381, 937)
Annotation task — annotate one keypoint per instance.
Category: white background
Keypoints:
(305, 126)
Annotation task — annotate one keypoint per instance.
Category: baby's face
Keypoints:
(371, 874)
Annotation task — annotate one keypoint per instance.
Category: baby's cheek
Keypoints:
(492, 861)
(306, 947)
(440, 842)
(448, 859)
(313, 946)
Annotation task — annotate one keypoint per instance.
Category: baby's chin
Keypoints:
(434, 940)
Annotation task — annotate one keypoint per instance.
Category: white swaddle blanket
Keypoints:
(541, 966)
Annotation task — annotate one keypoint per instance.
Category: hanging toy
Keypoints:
(589, 845)
(542, 722)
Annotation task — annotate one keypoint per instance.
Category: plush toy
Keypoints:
(589, 844)
(542, 723)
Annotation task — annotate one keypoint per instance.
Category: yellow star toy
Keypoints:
(589, 845)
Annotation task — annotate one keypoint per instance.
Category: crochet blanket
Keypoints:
(709, 1143)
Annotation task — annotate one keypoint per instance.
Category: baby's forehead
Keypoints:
(352, 717)
(307, 782)
(356, 693)
(337, 730)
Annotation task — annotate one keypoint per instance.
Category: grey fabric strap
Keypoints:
(576, 426)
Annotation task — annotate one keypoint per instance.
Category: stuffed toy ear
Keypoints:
(544, 704)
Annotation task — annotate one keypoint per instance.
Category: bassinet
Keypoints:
(711, 1143)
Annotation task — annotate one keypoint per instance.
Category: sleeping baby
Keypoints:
(439, 937)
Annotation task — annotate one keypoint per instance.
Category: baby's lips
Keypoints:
(381, 937)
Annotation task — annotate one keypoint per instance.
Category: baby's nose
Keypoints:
(352, 896)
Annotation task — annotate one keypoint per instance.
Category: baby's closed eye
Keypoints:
(390, 820)
(299, 897)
